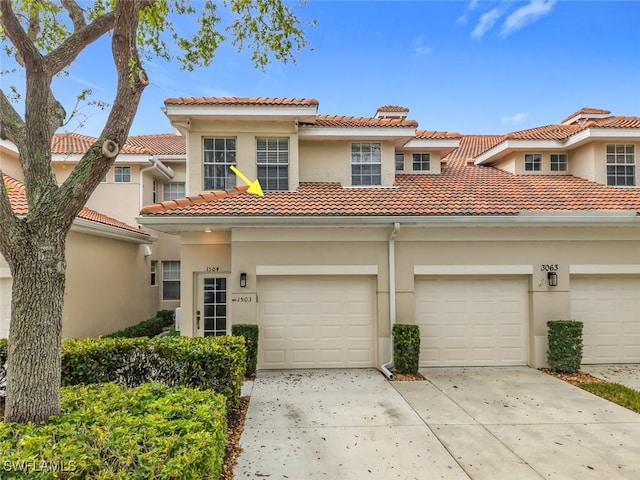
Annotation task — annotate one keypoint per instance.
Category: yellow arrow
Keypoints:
(254, 187)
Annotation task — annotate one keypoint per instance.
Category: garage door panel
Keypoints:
(326, 322)
(609, 308)
(472, 321)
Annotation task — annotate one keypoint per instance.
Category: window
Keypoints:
(272, 156)
(171, 191)
(170, 280)
(154, 192)
(153, 270)
(399, 162)
(558, 162)
(421, 161)
(122, 175)
(104, 179)
(533, 162)
(219, 155)
(621, 165)
(366, 164)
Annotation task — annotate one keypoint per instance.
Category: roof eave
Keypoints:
(91, 227)
(301, 113)
(326, 133)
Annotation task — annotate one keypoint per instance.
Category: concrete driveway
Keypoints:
(628, 375)
(462, 423)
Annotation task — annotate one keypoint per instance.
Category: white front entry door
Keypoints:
(212, 309)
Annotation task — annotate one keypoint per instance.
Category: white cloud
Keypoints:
(487, 21)
(515, 119)
(464, 18)
(420, 48)
(526, 15)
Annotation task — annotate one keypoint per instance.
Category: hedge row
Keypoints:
(565, 345)
(105, 431)
(406, 348)
(147, 328)
(250, 333)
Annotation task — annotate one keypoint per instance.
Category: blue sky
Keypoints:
(465, 66)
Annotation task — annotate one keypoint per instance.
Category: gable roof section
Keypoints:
(586, 111)
(342, 121)
(460, 190)
(160, 144)
(267, 101)
(18, 200)
(471, 146)
(74, 143)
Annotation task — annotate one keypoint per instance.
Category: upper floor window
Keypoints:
(272, 158)
(621, 165)
(122, 175)
(154, 192)
(170, 280)
(366, 163)
(219, 155)
(399, 162)
(558, 162)
(533, 162)
(173, 190)
(153, 270)
(421, 161)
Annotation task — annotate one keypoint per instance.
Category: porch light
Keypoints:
(552, 277)
(243, 280)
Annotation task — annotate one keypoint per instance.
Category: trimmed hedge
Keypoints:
(215, 363)
(105, 431)
(147, 328)
(565, 345)
(250, 334)
(406, 348)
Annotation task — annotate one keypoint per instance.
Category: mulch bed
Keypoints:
(408, 377)
(235, 426)
(576, 379)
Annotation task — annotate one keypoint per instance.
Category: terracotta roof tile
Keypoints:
(160, 144)
(294, 102)
(458, 190)
(471, 146)
(587, 111)
(341, 121)
(18, 200)
(195, 200)
(74, 143)
(547, 132)
(392, 108)
(432, 134)
(614, 122)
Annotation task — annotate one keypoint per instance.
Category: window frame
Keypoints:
(153, 272)
(173, 195)
(561, 165)
(269, 160)
(169, 267)
(366, 159)
(229, 155)
(421, 161)
(535, 165)
(620, 164)
(396, 156)
(122, 177)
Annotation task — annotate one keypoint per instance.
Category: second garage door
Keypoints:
(609, 307)
(316, 322)
(472, 321)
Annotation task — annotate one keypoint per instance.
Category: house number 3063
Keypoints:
(549, 267)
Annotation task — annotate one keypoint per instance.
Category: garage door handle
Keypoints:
(198, 320)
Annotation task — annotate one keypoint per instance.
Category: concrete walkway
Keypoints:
(628, 375)
(461, 423)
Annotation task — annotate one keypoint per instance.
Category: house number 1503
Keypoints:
(549, 267)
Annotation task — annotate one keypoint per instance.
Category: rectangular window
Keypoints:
(154, 192)
(399, 162)
(272, 158)
(219, 155)
(170, 280)
(621, 165)
(154, 270)
(558, 162)
(421, 162)
(533, 162)
(366, 164)
(122, 175)
(173, 190)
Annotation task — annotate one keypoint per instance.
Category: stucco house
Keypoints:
(368, 221)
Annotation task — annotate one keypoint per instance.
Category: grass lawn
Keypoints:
(616, 393)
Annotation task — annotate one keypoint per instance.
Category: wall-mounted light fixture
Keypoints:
(243, 280)
(552, 277)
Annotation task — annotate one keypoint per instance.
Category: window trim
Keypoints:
(122, 175)
(420, 162)
(165, 270)
(396, 161)
(279, 165)
(153, 271)
(559, 164)
(372, 163)
(533, 163)
(629, 150)
(181, 194)
(229, 178)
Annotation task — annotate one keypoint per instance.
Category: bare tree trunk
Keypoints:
(34, 358)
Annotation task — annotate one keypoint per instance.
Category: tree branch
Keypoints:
(66, 53)
(76, 14)
(12, 127)
(34, 25)
(27, 51)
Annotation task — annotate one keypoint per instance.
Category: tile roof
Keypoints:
(392, 108)
(160, 144)
(547, 132)
(287, 102)
(587, 111)
(432, 134)
(471, 146)
(74, 143)
(342, 121)
(18, 200)
(459, 190)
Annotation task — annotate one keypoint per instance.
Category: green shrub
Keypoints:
(105, 431)
(250, 334)
(406, 348)
(565, 345)
(4, 345)
(147, 328)
(215, 363)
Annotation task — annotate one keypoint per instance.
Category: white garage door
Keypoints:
(316, 322)
(472, 321)
(609, 307)
(5, 306)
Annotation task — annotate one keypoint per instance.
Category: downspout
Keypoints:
(156, 164)
(140, 173)
(385, 367)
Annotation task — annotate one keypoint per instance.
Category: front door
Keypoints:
(211, 313)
